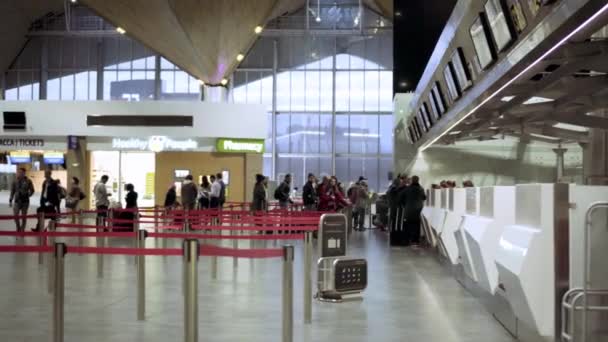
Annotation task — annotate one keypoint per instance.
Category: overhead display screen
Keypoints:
(481, 43)
(498, 24)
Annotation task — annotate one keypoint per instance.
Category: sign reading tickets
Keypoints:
(228, 145)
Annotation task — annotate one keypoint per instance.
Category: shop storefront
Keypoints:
(153, 164)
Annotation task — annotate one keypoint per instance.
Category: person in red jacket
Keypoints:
(330, 196)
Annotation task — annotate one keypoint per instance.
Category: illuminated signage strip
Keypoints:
(154, 144)
(228, 145)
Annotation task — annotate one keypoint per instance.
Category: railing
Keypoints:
(577, 299)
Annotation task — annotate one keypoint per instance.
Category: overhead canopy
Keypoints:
(203, 37)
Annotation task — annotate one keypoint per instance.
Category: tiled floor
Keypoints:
(410, 298)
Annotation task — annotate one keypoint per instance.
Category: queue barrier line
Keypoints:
(205, 250)
(227, 237)
(154, 235)
(257, 228)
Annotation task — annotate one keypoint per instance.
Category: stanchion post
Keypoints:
(156, 214)
(308, 277)
(51, 264)
(41, 240)
(99, 222)
(191, 285)
(141, 277)
(288, 293)
(58, 297)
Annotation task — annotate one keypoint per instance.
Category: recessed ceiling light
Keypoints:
(537, 99)
(544, 136)
(570, 127)
(398, 14)
(454, 132)
(403, 84)
(318, 19)
(120, 30)
(224, 81)
(507, 98)
(201, 82)
(73, 1)
(258, 29)
(240, 57)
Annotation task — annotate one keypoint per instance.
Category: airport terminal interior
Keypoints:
(304, 170)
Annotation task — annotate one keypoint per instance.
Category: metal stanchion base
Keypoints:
(326, 297)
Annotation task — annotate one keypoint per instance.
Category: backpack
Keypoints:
(277, 193)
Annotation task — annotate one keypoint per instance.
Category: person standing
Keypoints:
(21, 191)
(73, 198)
(358, 197)
(222, 196)
(171, 198)
(415, 197)
(100, 191)
(131, 205)
(259, 194)
(309, 194)
(203, 194)
(283, 191)
(216, 190)
(189, 193)
(49, 199)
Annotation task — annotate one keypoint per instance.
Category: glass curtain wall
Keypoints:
(324, 86)
(331, 104)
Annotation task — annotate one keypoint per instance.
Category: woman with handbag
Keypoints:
(75, 195)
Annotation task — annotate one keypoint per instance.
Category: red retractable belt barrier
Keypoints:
(205, 250)
(226, 237)
(257, 228)
(14, 217)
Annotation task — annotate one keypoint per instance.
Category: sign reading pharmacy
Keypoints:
(229, 145)
(154, 144)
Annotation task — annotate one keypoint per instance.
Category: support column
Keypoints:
(595, 160)
(157, 80)
(44, 68)
(333, 109)
(559, 163)
(100, 64)
(216, 94)
(275, 64)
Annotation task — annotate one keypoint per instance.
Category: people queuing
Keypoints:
(189, 193)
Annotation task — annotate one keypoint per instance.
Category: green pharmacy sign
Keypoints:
(228, 145)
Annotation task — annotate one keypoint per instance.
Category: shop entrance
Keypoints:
(122, 168)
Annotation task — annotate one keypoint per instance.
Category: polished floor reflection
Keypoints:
(410, 298)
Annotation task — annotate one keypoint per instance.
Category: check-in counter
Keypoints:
(439, 211)
(483, 228)
(455, 200)
(532, 256)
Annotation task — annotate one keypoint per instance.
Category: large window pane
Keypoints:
(82, 86)
(298, 91)
(325, 141)
(326, 96)
(386, 91)
(372, 91)
(357, 90)
(313, 88)
(341, 133)
(342, 91)
(386, 167)
(386, 134)
(283, 132)
(363, 134)
(67, 87)
(283, 91)
(291, 165)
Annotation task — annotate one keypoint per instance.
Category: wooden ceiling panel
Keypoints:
(203, 37)
(220, 30)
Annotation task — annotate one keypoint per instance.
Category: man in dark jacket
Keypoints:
(189, 193)
(414, 203)
(49, 200)
(259, 194)
(283, 191)
(309, 194)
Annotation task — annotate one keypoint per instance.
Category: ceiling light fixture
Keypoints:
(240, 57)
(258, 29)
(73, 1)
(201, 82)
(507, 98)
(537, 99)
(570, 127)
(120, 30)
(530, 66)
(224, 81)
